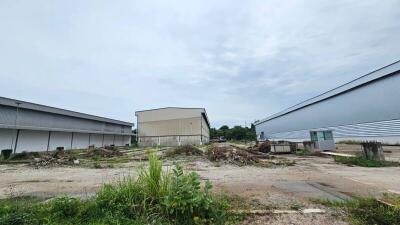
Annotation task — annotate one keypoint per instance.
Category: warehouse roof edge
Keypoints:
(50, 109)
(377, 74)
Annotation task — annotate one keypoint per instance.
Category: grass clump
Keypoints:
(367, 211)
(363, 162)
(155, 197)
(303, 152)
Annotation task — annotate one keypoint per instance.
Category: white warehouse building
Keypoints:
(365, 109)
(26, 126)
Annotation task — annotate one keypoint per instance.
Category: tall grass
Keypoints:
(155, 197)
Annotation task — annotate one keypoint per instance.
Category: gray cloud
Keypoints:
(240, 60)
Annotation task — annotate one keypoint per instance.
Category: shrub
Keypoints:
(155, 197)
(170, 197)
(187, 203)
(65, 207)
(19, 211)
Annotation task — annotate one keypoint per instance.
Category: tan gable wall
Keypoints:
(187, 126)
(168, 114)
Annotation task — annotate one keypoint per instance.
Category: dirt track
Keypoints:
(299, 181)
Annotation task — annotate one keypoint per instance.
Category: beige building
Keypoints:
(173, 126)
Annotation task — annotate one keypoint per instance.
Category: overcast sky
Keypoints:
(241, 60)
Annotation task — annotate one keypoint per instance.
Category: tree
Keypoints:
(237, 133)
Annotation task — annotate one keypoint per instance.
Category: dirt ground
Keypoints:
(312, 177)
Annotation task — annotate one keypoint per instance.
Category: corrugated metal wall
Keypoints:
(30, 140)
(38, 141)
(7, 139)
(369, 111)
(96, 140)
(60, 139)
(30, 119)
(81, 141)
(108, 139)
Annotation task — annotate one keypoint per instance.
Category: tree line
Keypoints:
(237, 133)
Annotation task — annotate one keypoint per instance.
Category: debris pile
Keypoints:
(59, 157)
(187, 150)
(234, 155)
(265, 147)
(106, 152)
(242, 157)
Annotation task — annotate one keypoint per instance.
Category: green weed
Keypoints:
(360, 161)
(367, 211)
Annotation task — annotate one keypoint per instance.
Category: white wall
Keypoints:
(60, 139)
(108, 139)
(127, 140)
(81, 140)
(96, 140)
(34, 141)
(7, 138)
(119, 140)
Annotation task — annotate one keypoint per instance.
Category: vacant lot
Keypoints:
(280, 187)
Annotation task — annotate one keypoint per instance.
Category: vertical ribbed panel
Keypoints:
(374, 129)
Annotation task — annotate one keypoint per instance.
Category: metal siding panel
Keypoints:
(32, 120)
(7, 138)
(389, 70)
(30, 140)
(168, 114)
(364, 131)
(60, 139)
(108, 140)
(377, 101)
(7, 115)
(96, 140)
(53, 110)
(119, 140)
(81, 141)
(127, 140)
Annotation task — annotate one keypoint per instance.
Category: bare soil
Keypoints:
(312, 177)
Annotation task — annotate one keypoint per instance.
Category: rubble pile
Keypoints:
(239, 156)
(234, 155)
(59, 157)
(264, 147)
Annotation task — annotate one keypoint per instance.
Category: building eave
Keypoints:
(49, 109)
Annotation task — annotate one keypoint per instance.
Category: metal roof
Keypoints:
(380, 73)
(49, 109)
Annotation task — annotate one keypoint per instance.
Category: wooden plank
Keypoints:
(337, 154)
